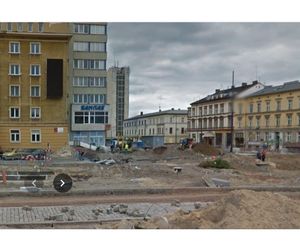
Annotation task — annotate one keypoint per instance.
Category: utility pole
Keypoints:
(231, 120)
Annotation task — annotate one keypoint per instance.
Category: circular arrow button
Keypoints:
(62, 183)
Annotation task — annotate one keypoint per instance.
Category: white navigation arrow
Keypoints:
(33, 183)
(62, 183)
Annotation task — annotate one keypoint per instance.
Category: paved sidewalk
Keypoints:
(101, 212)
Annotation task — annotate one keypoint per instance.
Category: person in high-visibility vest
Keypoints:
(126, 147)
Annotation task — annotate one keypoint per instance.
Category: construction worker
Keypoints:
(126, 148)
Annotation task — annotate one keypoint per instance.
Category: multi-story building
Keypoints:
(117, 99)
(171, 124)
(210, 118)
(88, 82)
(33, 85)
(271, 115)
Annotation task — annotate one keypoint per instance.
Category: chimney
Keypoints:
(172, 108)
(255, 82)
(142, 113)
(218, 90)
(244, 84)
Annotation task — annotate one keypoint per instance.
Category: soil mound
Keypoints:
(239, 210)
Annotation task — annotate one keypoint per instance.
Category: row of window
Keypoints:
(15, 112)
(89, 47)
(15, 91)
(15, 70)
(211, 109)
(15, 136)
(15, 48)
(86, 81)
(89, 29)
(20, 27)
(267, 107)
(91, 117)
(89, 64)
(89, 98)
(209, 123)
(288, 136)
(151, 131)
(277, 121)
(155, 121)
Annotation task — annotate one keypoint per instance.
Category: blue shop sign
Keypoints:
(92, 107)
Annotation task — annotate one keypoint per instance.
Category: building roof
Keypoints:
(225, 93)
(164, 112)
(287, 86)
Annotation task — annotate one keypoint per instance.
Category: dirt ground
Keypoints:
(156, 168)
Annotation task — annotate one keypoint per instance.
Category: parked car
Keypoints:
(17, 154)
(38, 154)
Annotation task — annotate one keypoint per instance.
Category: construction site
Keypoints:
(165, 187)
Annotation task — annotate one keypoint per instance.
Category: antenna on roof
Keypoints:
(233, 79)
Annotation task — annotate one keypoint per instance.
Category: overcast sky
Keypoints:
(174, 64)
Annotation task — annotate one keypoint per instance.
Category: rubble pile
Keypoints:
(239, 210)
(205, 149)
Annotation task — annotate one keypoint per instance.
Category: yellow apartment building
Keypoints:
(270, 116)
(34, 85)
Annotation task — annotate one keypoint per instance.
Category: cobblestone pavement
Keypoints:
(101, 212)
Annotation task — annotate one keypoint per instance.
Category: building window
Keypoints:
(41, 27)
(81, 46)
(9, 27)
(98, 29)
(267, 121)
(35, 70)
(210, 109)
(288, 136)
(298, 136)
(182, 130)
(14, 90)
(14, 48)
(221, 122)
(222, 108)
(200, 111)
(81, 28)
(298, 119)
(14, 112)
(35, 113)
(251, 108)
(278, 105)
(35, 48)
(216, 108)
(84, 81)
(91, 117)
(14, 69)
(97, 47)
(89, 64)
(250, 122)
(266, 136)
(257, 136)
(240, 108)
(30, 27)
(267, 106)
(35, 91)
(289, 120)
(80, 81)
(239, 122)
(290, 104)
(277, 120)
(257, 122)
(205, 110)
(170, 131)
(20, 27)
(182, 120)
(258, 107)
(35, 136)
(14, 135)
